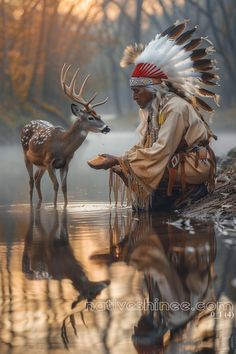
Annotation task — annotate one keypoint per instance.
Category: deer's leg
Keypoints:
(64, 237)
(27, 245)
(29, 167)
(63, 175)
(53, 177)
(37, 180)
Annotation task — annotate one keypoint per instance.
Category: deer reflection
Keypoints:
(49, 255)
(178, 271)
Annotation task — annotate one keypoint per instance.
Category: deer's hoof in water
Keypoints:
(38, 206)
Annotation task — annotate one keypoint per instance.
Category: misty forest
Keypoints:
(38, 36)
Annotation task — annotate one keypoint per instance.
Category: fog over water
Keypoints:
(84, 183)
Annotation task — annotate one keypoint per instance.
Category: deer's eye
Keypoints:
(90, 118)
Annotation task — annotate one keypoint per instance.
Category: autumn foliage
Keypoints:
(38, 36)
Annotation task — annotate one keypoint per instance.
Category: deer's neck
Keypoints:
(74, 137)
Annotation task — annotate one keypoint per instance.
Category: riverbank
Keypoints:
(220, 205)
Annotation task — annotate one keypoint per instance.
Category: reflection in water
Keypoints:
(34, 303)
(53, 265)
(177, 273)
(50, 256)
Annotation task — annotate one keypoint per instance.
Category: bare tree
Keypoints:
(220, 18)
(6, 78)
(39, 46)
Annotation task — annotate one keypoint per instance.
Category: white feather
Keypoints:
(173, 52)
(148, 55)
(181, 55)
(186, 64)
(163, 54)
(190, 73)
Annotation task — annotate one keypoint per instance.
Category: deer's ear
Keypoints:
(75, 109)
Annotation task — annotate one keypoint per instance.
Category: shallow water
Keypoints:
(137, 283)
(122, 264)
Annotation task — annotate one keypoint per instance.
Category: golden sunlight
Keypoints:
(84, 7)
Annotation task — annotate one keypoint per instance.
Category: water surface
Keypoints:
(52, 260)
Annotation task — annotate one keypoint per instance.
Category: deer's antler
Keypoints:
(70, 89)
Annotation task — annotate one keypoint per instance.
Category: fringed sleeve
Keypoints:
(117, 189)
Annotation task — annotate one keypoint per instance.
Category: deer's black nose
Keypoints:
(106, 130)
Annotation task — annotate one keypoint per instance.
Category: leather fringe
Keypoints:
(135, 193)
(117, 189)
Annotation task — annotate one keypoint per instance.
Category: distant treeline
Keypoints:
(38, 36)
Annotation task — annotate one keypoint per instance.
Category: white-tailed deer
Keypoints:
(51, 147)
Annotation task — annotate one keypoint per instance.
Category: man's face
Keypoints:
(142, 96)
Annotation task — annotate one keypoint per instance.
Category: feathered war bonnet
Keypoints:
(178, 61)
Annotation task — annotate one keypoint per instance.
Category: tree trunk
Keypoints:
(138, 21)
(38, 52)
(229, 67)
(50, 54)
(6, 77)
(114, 69)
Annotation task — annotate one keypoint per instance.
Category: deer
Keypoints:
(51, 148)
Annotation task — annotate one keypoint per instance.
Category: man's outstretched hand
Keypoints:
(103, 162)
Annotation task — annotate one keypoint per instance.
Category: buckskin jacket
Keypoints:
(173, 145)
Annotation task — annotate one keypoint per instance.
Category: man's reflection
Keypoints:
(177, 268)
